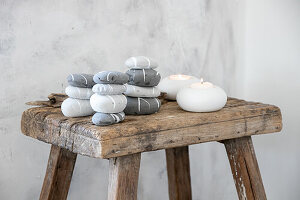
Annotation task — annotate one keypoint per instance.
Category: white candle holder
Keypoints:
(201, 97)
(173, 83)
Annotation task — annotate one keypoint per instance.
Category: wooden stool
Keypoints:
(171, 128)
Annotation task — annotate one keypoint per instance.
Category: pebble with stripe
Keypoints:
(142, 106)
(81, 80)
(109, 89)
(137, 91)
(71, 107)
(143, 77)
(108, 103)
(141, 62)
(79, 93)
(104, 119)
(110, 77)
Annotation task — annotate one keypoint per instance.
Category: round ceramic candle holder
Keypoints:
(172, 84)
(201, 97)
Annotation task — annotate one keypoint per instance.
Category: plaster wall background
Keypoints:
(245, 47)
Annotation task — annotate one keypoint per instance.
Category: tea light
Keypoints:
(201, 97)
(172, 84)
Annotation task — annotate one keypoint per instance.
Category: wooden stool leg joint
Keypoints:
(245, 169)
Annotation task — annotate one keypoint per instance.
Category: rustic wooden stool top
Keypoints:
(171, 128)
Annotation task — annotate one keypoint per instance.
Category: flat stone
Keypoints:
(110, 89)
(142, 106)
(76, 108)
(108, 103)
(104, 119)
(137, 91)
(143, 77)
(81, 80)
(110, 77)
(140, 62)
(79, 93)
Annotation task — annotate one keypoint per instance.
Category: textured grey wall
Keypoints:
(41, 42)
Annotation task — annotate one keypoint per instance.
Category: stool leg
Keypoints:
(245, 169)
(58, 175)
(123, 177)
(179, 179)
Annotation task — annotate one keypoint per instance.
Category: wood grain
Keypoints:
(58, 174)
(178, 168)
(245, 169)
(170, 127)
(123, 177)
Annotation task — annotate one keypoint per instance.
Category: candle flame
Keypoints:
(201, 80)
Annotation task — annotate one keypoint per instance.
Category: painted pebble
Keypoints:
(142, 106)
(109, 89)
(79, 93)
(137, 91)
(76, 108)
(108, 103)
(140, 62)
(104, 119)
(81, 80)
(110, 77)
(143, 77)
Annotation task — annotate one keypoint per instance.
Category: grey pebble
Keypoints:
(143, 77)
(140, 62)
(81, 80)
(142, 106)
(104, 119)
(109, 89)
(113, 77)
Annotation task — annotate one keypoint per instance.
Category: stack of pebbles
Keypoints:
(79, 92)
(108, 100)
(141, 92)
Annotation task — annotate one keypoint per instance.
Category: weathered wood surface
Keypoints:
(170, 127)
(245, 169)
(58, 174)
(123, 177)
(178, 168)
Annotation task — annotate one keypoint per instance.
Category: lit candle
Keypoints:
(202, 85)
(201, 97)
(173, 83)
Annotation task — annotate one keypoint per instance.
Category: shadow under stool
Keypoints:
(171, 129)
